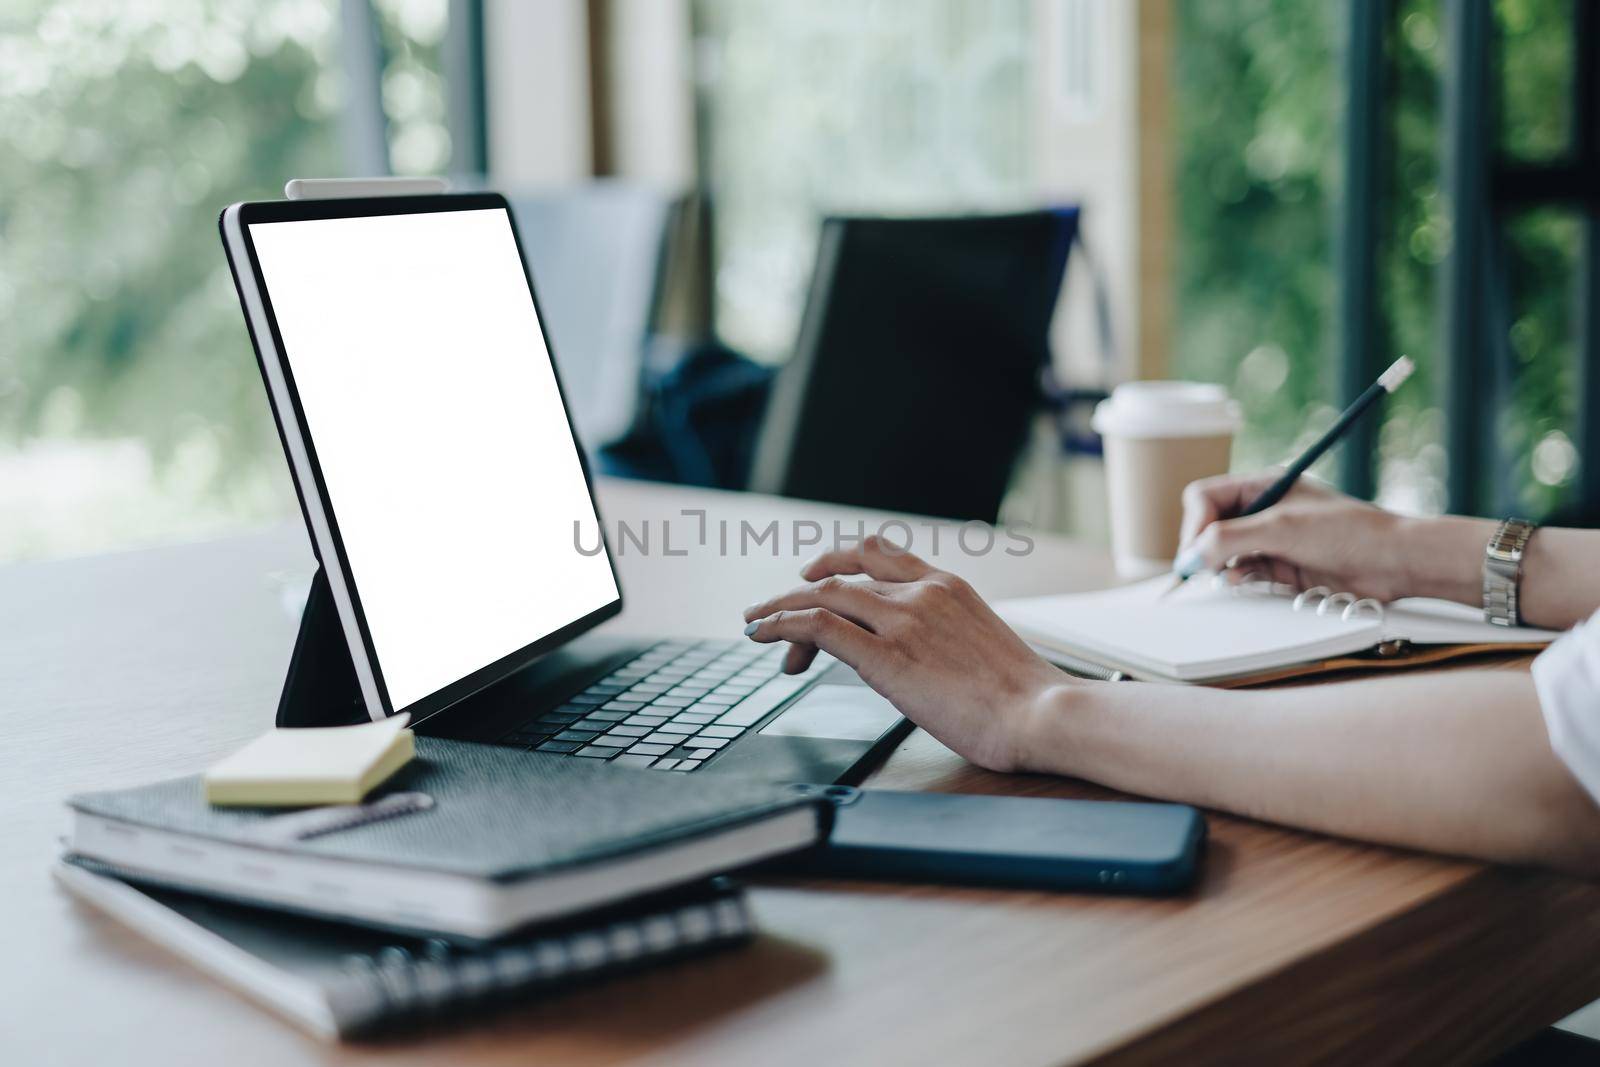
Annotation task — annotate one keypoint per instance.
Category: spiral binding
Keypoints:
(421, 980)
(1319, 598)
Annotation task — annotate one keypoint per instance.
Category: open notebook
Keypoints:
(1245, 635)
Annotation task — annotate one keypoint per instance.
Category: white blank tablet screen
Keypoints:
(433, 410)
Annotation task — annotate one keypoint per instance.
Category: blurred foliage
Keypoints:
(130, 404)
(1257, 116)
(1256, 124)
(123, 130)
(1535, 75)
(1542, 257)
(412, 36)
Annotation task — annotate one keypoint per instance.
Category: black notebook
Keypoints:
(337, 980)
(468, 841)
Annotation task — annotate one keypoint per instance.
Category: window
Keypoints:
(131, 410)
(411, 33)
(1259, 140)
(834, 106)
(1256, 128)
(130, 407)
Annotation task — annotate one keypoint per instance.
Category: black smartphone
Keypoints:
(1022, 842)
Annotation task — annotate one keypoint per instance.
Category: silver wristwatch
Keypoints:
(1502, 571)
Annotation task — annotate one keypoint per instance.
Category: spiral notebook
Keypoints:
(1227, 635)
(340, 981)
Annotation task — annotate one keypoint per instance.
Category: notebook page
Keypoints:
(1424, 621)
(1198, 633)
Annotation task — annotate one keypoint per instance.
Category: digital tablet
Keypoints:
(444, 490)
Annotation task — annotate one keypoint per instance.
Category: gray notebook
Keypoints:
(336, 980)
(469, 840)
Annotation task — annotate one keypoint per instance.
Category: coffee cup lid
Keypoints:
(1167, 409)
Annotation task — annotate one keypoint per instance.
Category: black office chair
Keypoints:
(918, 363)
(596, 252)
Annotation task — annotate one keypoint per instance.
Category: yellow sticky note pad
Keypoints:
(320, 765)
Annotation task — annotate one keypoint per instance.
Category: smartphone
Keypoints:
(1021, 842)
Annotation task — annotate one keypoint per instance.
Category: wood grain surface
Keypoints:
(120, 669)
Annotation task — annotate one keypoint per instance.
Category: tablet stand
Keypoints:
(321, 688)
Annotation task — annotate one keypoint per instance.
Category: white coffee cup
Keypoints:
(1159, 437)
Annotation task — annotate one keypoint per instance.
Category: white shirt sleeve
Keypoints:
(1567, 678)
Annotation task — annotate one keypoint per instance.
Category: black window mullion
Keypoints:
(1362, 349)
(1586, 152)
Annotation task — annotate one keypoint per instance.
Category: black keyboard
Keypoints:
(671, 709)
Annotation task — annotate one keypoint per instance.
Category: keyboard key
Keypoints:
(682, 729)
(636, 761)
(575, 735)
(702, 753)
(701, 717)
(708, 743)
(720, 731)
(614, 742)
(557, 719)
(669, 740)
(587, 699)
(607, 716)
(687, 765)
(650, 750)
(598, 725)
(605, 688)
(664, 765)
(722, 699)
(671, 702)
(526, 736)
(624, 730)
(596, 753)
(560, 746)
(644, 720)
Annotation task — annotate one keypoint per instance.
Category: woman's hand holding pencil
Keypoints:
(1248, 506)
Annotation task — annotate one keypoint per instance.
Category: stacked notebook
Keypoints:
(474, 871)
(1251, 634)
(468, 842)
(339, 981)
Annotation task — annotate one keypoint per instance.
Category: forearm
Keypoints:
(1560, 568)
(1457, 763)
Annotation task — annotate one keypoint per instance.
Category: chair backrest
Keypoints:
(595, 252)
(917, 366)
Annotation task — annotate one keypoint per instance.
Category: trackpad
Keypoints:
(837, 712)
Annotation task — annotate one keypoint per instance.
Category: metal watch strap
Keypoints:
(1502, 571)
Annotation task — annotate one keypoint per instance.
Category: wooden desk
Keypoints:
(1296, 949)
